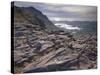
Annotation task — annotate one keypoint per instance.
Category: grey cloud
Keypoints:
(61, 10)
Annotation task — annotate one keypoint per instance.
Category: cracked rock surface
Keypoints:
(39, 46)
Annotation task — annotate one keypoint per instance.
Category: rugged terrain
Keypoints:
(39, 46)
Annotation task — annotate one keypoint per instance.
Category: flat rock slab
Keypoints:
(51, 66)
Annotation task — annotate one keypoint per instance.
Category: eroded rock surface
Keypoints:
(37, 49)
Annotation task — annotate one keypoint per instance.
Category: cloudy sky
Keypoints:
(62, 12)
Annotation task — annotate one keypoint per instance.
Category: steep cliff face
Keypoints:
(40, 46)
(35, 17)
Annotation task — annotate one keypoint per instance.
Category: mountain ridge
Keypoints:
(26, 11)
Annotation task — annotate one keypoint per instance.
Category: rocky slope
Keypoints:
(39, 46)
